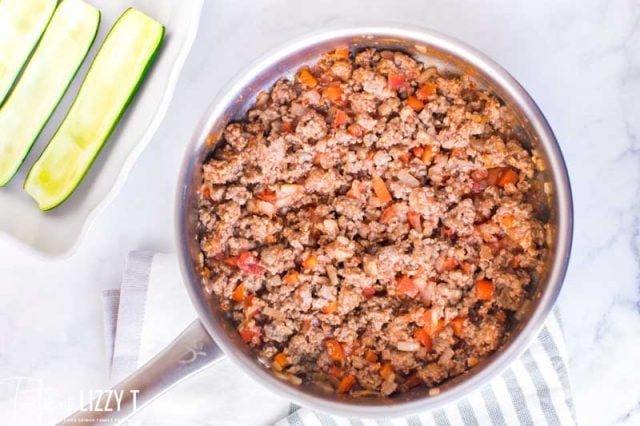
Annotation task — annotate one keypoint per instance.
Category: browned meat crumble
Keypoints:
(367, 226)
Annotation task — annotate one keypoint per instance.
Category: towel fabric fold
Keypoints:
(151, 308)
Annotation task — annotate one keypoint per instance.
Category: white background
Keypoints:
(579, 60)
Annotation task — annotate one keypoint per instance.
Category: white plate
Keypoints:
(58, 232)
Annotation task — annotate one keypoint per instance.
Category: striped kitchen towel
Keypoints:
(535, 390)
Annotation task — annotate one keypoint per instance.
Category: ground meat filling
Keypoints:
(366, 226)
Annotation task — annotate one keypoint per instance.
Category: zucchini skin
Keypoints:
(4, 93)
(116, 121)
(75, 73)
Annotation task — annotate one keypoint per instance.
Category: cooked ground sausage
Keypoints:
(366, 225)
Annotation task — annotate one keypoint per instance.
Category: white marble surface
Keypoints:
(579, 60)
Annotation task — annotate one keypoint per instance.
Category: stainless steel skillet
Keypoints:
(212, 337)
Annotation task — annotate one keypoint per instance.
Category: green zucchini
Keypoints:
(44, 81)
(112, 81)
(22, 23)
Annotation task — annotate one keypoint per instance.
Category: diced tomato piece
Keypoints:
(371, 356)
(336, 352)
(380, 189)
(418, 151)
(346, 383)
(268, 196)
(457, 324)
(307, 78)
(248, 334)
(423, 337)
(239, 293)
(339, 118)
(415, 103)
(396, 81)
(407, 287)
(484, 290)
(248, 263)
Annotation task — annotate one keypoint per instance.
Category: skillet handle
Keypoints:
(190, 352)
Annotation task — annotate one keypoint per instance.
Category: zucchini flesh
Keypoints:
(22, 23)
(112, 81)
(44, 81)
